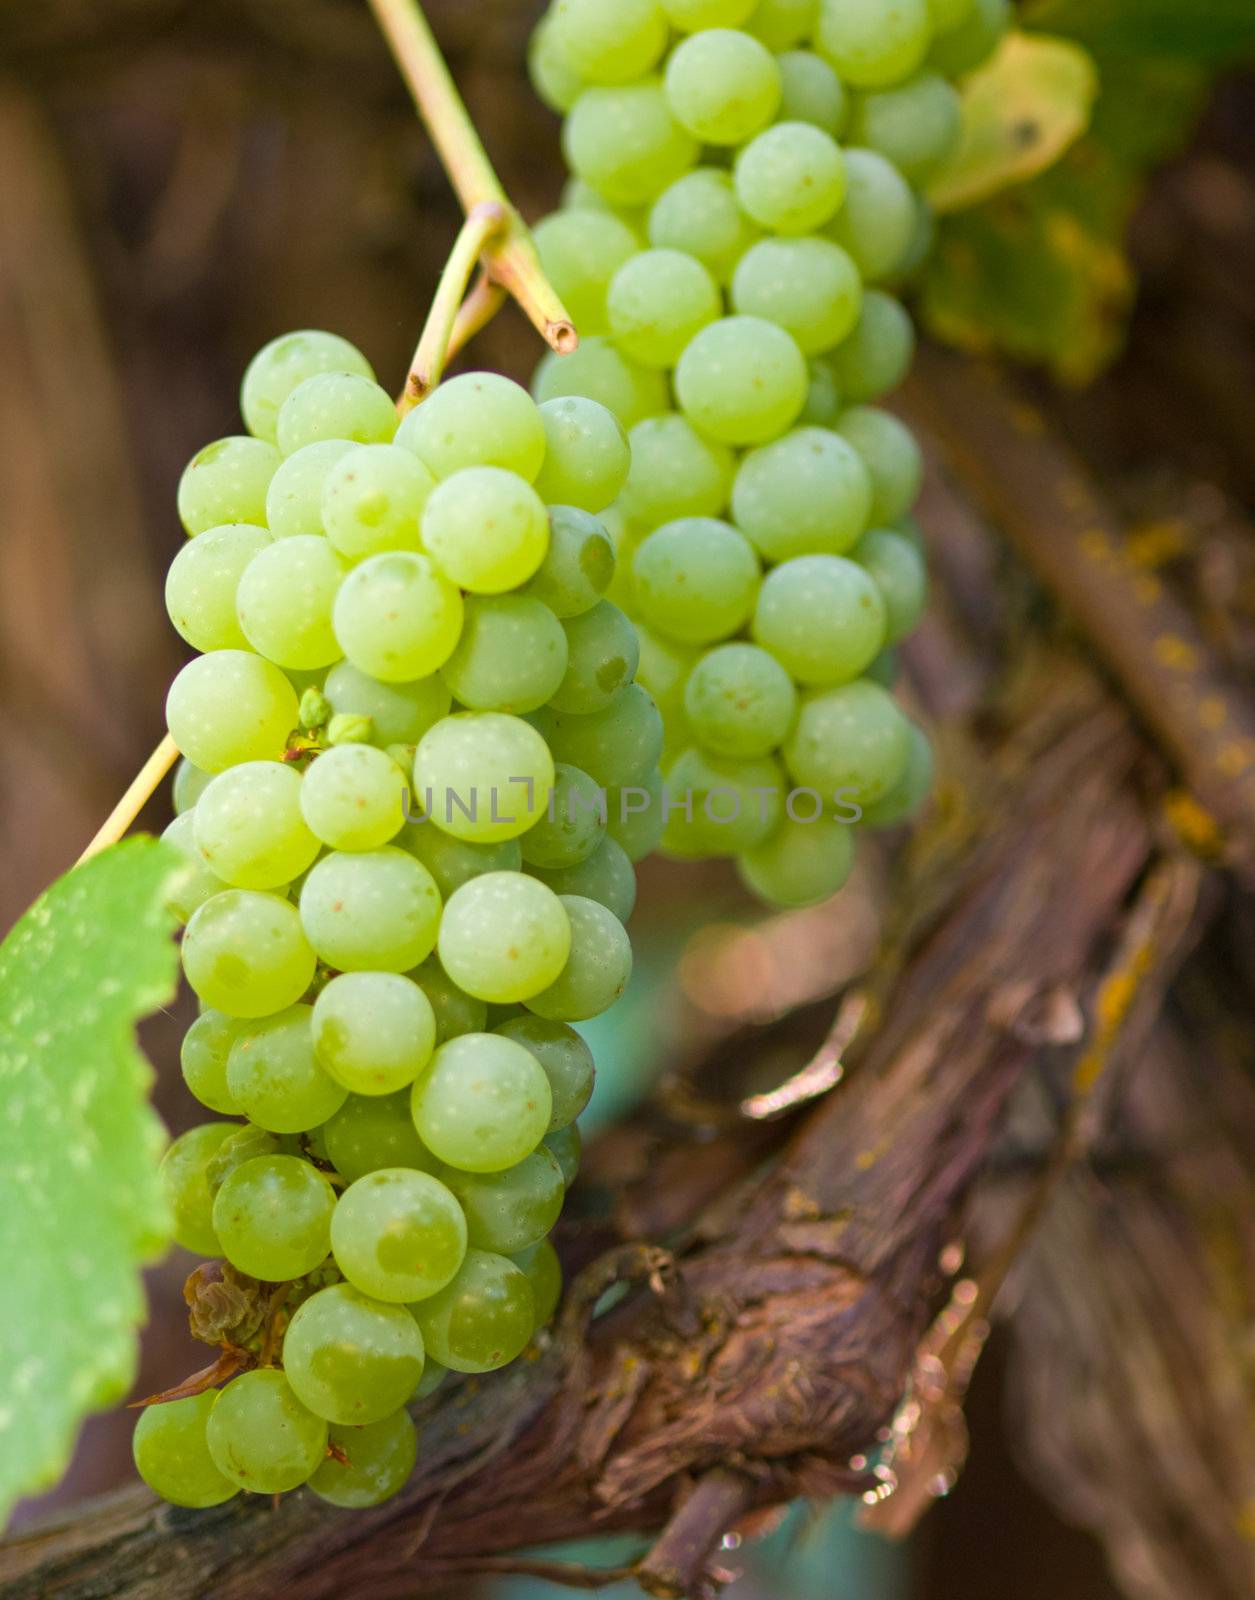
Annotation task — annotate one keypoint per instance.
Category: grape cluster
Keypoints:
(389, 613)
(745, 181)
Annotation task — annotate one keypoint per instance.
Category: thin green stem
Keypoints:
(483, 222)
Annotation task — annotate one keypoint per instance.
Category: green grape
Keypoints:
(695, 579)
(578, 565)
(823, 397)
(740, 701)
(675, 472)
(553, 76)
(574, 825)
(781, 24)
(586, 454)
(433, 1376)
(900, 574)
(599, 372)
(566, 1144)
(912, 789)
(172, 1452)
(822, 617)
(884, 669)
(720, 805)
(401, 713)
(398, 1235)
(596, 971)
(483, 776)
(374, 1131)
(891, 456)
(373, 1032)
(656, 302)
(197, 882)
(376, 1463)
(261, 1436)
(567, 1063)
(742, 380)
(245, 953)
(616, 747)
(807, 493)
(278, 367)
(482, 1104)
(923, 237)
(371, 910)
(511, 657)
(947, 14)
(275, 1077)
(580, 251)
(602, 654)
(503, 937)
(477, 420)
(239, 1146)
(203, 1059)
(456, 1011)
(802, 863)
(248, 826)
(230, 706)
(811, 92)
(605, 876)
(963, 48)
(916, 125)
(294, 498)
(877, 354)
(723, 86)
(353, 797)
(352, 1359)
(284, 600)
(226, 482)
(664, 669)
(790, 178)
(188, 786)
(690, 16)
(335, 405)
(272, 1215)
(609, 41)
(397, 616)
(510, 1210)
(452, 861)
(486, 528)
(698, 214)
(373, 500)
(870, 43)
(539, 1264)
(186, 1185)
(483, 1319)
(809, 287)
(877, 223)
(853, 739)
(626, 143)
(201, 585)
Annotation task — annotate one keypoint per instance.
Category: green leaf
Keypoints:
(79, 1146)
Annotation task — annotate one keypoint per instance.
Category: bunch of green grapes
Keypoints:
(745, 191)
(404, 884)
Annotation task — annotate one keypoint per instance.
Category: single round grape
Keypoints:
(371, 910)
(260, 1435)
(189, 784)
(401, 713)
(664, 669)
(871, 43)
(597, 970)
(353, 797)
(201, 585)
(634, 821)
(456, 1011)
(721, 805)
(567, 1063)
(226, 482)
(186, 1186)
(397, 616)
(699, 215)
(373, 500)
(877, 223)
(917, 125)
(602, 654)
(822, 617)
(294, 498)
(575, 823)
(566, 1144)
(742, 380)
(275, 1077)
(740, 701)
(374, 1131)
(539, 1264)
(203, 1059)
(483, 1319)
(598, 371)
(823, 397)
(249, 828)
(892, 458)
(675, 472)
(900, 574)
(810, 287)
(503, 937)
(483, 776)
(802, 863)
(482, 1104)
(790, 178)
(586, 454)
(626, 143)
(510, 1210)
(578, 565)
(373, 1032)
(580, 251)
(272, 1216)
(617, 746)
(479, 419)
(967, 45)
(335, 405)
(486, 528)
(807, 493)
(367, 1465)
(452, 861)
(278, 367)
(230, 706)
(284, 600)
(172, 1452)
(511, 657)
(605, 875)
(398, 1235)
(853, 739)
(781, 24)
(553, 76)
(695, 579)
(197, 882)
(723, 86)
(609, 41)
(912, 789)
(245, 953)
(877, 354)
(240, 1145)
(689, 16)
(352, 1359)
(811, 92)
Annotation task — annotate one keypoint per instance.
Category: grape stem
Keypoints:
(135, 798)
(484, 222)
(510, 260)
